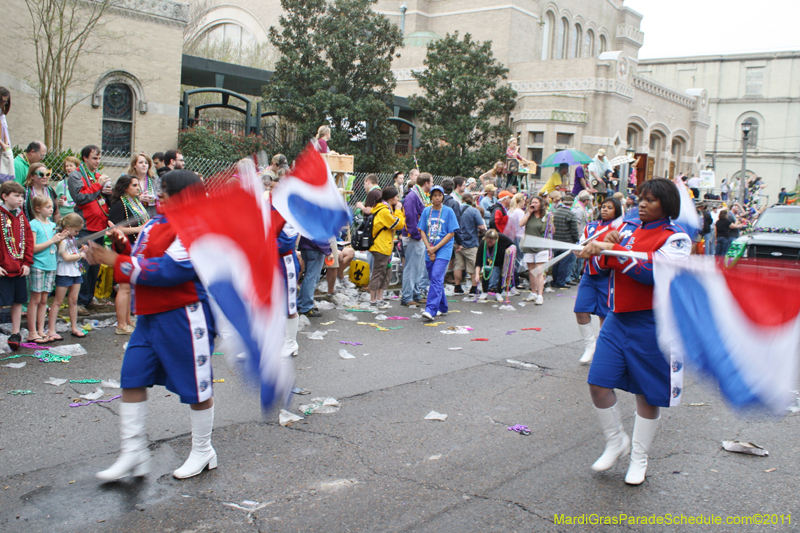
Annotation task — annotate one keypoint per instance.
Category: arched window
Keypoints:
(230, 33)
(589, 44)
(602, 44)
(563, 39)
(547, 35)
(117, 118)
(577, 41)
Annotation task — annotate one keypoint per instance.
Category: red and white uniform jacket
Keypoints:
(589, 230)
(631, 281)
(158, 268)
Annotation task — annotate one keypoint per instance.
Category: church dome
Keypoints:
(421, 38)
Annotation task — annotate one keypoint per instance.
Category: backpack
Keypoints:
(363, 239)
(492, 211)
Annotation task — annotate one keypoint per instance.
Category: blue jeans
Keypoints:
(723, 243)
(91, 272)
(413, 270)
(562, 269)
(314, 261)
(493, 283)
(709, 237)
(437, 300)
(576, 271)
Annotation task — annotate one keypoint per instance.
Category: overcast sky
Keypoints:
(698, 27)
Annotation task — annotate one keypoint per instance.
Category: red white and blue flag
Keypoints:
(233, 248)
(309, 200)
(740, 326)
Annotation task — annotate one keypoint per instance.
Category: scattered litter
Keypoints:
(90, 381)
(366, 354)
(520, 363)
(359, 310)
(397, 327)
(477, 312)
(16, 365)
(468, 299)
(521, 304)
(32, 345)
(457, 330)
(744, 447)
(46, 356)
(344, 354)
(531, 329)
(20, 392)
(301, 392)
(454, 311)
(98, 393)
(304, 321)
(435, 457)
(434, 324)
(697, 404)
(373, 324)
(78, 404)
(507, 308)
(412, 306)
(248, 505)
(125, 346)
(351, 343)
(69, 349)
(455, 348)
(316, 335)
(480, 339)
(327, 323)
(322, 406)
(285, 417)
(416, 315)
(221, 380)
(113, 383)
(351, 318)
(433, 415)
(770, 470)
(519, 428)
(325, 306)
(55, 381)
(380, 318)
(396, 318)
(100, 323)
(511, 332)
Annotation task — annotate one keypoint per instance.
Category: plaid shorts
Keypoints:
(41, 280)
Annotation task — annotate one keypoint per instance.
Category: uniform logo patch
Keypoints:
(199, 332)
(677, 366)
(676, 391)
(203, 385)
(291, 275)
(201, 360)
(679, 244)
(291, 290)
(126, 268)
(193, 307)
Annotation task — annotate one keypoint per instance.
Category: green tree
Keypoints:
(463, 110)
(335, 69)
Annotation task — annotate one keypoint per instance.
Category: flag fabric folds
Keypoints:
(236, 259)
(308, 199)
(740, 326)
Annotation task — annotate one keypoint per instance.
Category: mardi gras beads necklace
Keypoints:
(8, 236)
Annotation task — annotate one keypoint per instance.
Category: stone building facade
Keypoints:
(129, 93)
(763, 88)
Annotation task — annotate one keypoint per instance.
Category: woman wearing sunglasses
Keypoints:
(36, 184)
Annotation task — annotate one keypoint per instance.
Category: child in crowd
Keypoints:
(437, 224)
(43, 274)
(65, 203)
(389, 216)
(16, 255)
(68, 275)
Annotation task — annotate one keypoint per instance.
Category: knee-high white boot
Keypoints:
(644, 429)
(134, 457)
(617, 441)
(203, 453)
(589, 342)
(290, 346)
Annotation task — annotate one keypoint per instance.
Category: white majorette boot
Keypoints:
(134, 457)
(617, 441)
(588, 341)
(203, 453)
(644, 429)
(290, 346)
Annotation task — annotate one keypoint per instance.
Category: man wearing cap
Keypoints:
(599, 166)
(470, 185)
(487, 202)
(556, 178)
(500, 215)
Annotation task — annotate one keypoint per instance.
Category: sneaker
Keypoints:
(549, 289)
(427, 316)
(82, 311)
(383, 304)
(409, 303)
(499, 296)
(531, 297)
(13, 341)
(458, 290)
(439, 313)
(513, 291)
(539, 300)
(483, 296)
(312, 313)
(473, 291)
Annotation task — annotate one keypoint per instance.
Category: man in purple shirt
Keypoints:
(581, 183)
(414, 271)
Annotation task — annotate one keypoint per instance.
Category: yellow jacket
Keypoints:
(383, 218)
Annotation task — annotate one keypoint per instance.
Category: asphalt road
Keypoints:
(376, 464)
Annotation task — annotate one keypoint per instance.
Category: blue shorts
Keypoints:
(172, 349)
(68, 281)
(592, 295)
(627, 357)
(13, 290)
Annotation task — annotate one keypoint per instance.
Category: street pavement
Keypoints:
(377, 464)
